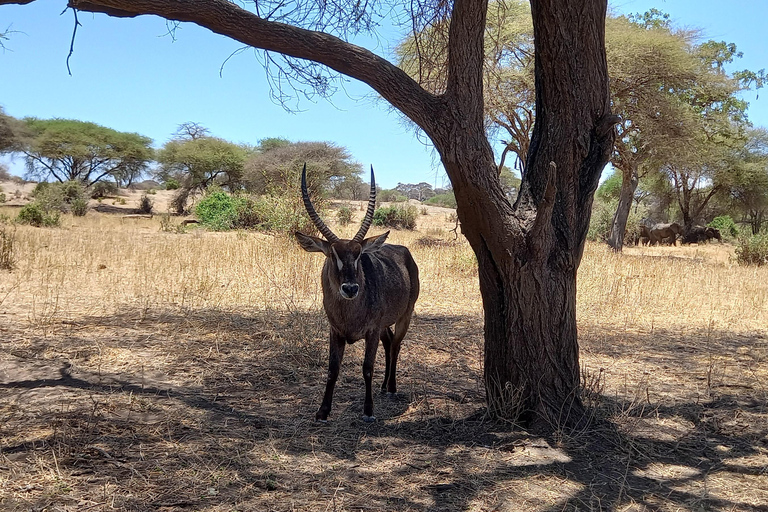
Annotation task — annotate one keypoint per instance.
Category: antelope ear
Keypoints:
(374, 243)
(313, 244)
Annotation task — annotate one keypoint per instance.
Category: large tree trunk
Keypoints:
(629, 183)
(528, 254)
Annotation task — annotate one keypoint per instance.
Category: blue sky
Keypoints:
(130, 75)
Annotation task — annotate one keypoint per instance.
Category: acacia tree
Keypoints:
(748, 180)
(72, 150)
(197, 160)
(273, 167)
(527, 252)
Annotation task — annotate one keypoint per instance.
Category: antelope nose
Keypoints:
(349, 290)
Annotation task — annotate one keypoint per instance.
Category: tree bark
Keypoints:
(528, 253)
(629, 183)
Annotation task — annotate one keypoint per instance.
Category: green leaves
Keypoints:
(67, 150)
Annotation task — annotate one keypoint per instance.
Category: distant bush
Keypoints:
(725, 225)
(103, 189)
(395, 216)
(217, 210)
(79, 207)
(146, 204)
(221, 211)
(752, 250)
(600, 222)
(72, 191)
(2, 197)
(61, 197)
(447, 200)
(274, 213)
(35, 214)
(390, 196)
(171, 184)
(344, 215)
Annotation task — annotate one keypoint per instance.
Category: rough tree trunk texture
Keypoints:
(528, 253)
(629, 183)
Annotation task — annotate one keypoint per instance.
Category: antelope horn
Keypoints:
(319, 224)
(369, 213)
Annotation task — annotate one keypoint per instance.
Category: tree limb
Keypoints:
(228, 19)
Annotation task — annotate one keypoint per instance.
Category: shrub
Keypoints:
(447, 200)
(275, 213)
(752, 250)
(396, 216)
(7, 239)
(171, 184)
(146, 204)
(37, 215)
(221, 211)
(103, 189)
(390, 196)
(79, 207)
(217, 210)
(344, 215)
(2, 197)
(600, 222)
(725, 225)
(72, 191)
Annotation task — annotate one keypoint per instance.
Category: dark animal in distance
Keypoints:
(661, 232)
(367, 287)
(698, 234)
(643, 235)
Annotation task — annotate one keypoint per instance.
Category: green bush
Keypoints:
(390, 196)
(752, 250)
(447, 200)
(344, 215)
(72, 191)
(103, 189)
(37, 215)
(276, 214)
(601, 220)
(725, 225)
(79, 207)
(395, 216)
(217, 210)
(171, 184)
(221, 211)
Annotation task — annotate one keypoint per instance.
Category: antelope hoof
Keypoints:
(369, 419)
(392, 396)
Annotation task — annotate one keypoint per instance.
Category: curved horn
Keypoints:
(319, 224)
(369, 213)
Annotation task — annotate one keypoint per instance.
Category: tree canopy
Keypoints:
(196, 160)
(273, 167)
(72, 150)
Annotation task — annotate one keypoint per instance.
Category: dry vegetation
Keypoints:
(150, 370)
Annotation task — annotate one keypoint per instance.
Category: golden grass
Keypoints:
(145, 370)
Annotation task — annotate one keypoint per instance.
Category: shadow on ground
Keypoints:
(208, 410)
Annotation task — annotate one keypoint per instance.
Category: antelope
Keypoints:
(368, 286)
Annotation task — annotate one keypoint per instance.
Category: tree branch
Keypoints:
(228, 19)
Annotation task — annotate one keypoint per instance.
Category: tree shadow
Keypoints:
(196, 409)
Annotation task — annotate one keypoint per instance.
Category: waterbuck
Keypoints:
(367, 287)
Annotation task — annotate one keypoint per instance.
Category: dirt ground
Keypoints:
(142, 369)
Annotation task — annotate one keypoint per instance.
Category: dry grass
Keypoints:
(147, 370)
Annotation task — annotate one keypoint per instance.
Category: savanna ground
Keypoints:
(149, 370)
